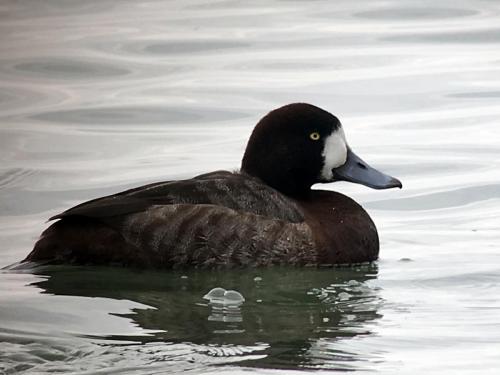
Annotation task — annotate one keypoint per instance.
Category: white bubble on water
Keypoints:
(224, 297)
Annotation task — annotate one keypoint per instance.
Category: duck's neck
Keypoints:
(292, 183)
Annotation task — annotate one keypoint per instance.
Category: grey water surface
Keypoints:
(100, 96)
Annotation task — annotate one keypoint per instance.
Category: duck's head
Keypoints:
(298, 145)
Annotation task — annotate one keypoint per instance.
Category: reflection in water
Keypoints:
(286, 314)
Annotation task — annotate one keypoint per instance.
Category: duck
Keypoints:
(264, 214)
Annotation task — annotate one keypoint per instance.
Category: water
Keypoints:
(99, 96)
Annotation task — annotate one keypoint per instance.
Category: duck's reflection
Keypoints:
(293, 317)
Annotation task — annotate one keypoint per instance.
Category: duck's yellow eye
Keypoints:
(314, 136)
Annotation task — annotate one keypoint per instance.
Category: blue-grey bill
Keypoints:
(357, 171)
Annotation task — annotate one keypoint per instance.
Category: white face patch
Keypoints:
(334, 153)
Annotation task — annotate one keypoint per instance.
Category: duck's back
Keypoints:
(216, 219)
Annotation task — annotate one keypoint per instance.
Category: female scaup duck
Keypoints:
(265, 214)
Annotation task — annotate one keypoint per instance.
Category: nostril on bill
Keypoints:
(361, 165)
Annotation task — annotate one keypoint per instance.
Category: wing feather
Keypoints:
(232, 190)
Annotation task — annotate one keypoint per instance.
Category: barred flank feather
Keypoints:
(208, 236)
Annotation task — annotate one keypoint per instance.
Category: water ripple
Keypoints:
(173, 47)
(68, 69)
(138, 115)
(487, 36)
(445, 199)
(12, 177)
(415, 14)
(476, 95)
(170, 48)
(21, 99)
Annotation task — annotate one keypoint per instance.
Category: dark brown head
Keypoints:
(298, 145)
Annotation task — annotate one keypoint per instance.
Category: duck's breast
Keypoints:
(342, 230)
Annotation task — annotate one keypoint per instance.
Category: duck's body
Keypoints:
(264, 215)
(220, 219)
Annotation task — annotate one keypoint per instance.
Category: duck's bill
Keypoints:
(357, 171)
